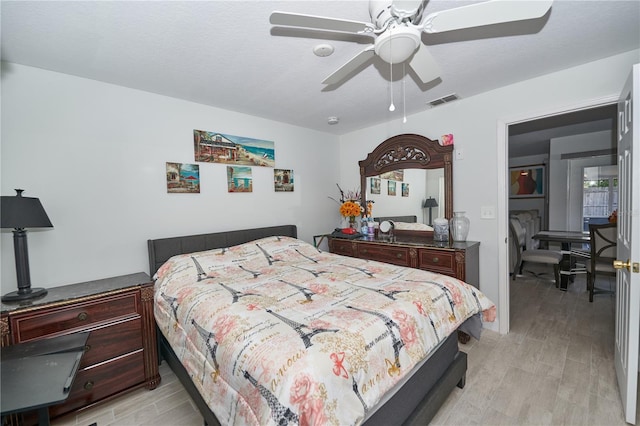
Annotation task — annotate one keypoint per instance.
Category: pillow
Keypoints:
(405, 226)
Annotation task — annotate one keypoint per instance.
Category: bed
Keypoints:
(414, 399)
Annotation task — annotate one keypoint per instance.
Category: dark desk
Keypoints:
(40, 373)
(565, 238)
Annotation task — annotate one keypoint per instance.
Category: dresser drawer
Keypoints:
(113, 340)
(103, 380)
(79, 316)
(384, 253)
(442, 261)
(343, 247)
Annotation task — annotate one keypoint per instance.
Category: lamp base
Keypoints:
(16, 296)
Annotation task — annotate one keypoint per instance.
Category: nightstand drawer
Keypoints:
(441, 261)
(100, 381)
(394, 255)
(113, 340)
(79, 316)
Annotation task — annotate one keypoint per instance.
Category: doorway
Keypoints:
(569, 119)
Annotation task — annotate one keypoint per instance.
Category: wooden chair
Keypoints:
(603, 241)
(520, 255)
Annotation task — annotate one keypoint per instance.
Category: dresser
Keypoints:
(457, 259)
(121, 351)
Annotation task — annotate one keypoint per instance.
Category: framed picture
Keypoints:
(374, 184)
(212, 147)
(239, 179)
(397, 175)
(391, 187)
(183, 178)
(283, 180)
(527, 181)
(405, 189)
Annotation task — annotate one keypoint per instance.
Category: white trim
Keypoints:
(503, 202)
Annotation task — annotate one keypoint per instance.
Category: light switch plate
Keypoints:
(487, 212)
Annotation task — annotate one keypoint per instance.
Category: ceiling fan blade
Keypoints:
(353, 64)
(486, 13)
(424, 65)
(320, 22)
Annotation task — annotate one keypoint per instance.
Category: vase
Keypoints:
(459, 225)
(352, 223)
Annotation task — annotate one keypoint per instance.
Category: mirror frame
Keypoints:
(409, 151)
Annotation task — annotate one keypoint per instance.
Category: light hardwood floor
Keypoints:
(555, 367)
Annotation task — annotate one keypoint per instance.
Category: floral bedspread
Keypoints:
(275, 331)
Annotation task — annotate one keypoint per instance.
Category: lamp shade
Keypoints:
(430, 202)
(22, 212)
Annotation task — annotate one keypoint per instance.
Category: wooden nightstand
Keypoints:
(121, 352)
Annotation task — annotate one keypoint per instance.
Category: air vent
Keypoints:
(443, 100)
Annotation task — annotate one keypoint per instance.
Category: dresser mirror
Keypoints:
(408, 152)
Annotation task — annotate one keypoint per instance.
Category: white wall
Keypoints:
(474, 123)
(95, 155)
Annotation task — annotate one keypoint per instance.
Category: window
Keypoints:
(599, 194)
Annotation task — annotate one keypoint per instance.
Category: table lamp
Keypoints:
(430, 203)
(19, 213)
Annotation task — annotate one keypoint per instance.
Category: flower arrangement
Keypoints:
(349, 204)
(350, 209)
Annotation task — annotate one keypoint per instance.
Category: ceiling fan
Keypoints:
(397, 26)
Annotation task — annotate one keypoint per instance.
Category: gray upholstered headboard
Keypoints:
(163, 249)
(406, 219)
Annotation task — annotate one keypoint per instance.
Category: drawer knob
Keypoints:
(82, 316)
(87, 348)
(435, 260)
(399, 255)
(364, 250)
(89, 385)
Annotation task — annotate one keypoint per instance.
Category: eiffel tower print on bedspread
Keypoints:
(321, 338)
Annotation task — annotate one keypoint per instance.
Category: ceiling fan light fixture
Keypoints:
(397, 44)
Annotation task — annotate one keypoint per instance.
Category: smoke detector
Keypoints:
(323, 50)
(333, 120)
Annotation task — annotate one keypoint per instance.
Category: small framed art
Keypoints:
(283, 180)
(183, 178)
(391, 187)
(374, 184)
(527, 181)
(239, 179)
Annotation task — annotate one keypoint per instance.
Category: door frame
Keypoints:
(503, 197)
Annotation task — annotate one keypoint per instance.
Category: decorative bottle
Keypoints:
(440, 229)
(459, 225)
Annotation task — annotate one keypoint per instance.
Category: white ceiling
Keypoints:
(227, 54)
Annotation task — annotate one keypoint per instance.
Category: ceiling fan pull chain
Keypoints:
(404, 97)
(392, 107)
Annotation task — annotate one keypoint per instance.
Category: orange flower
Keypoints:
(350, 209)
